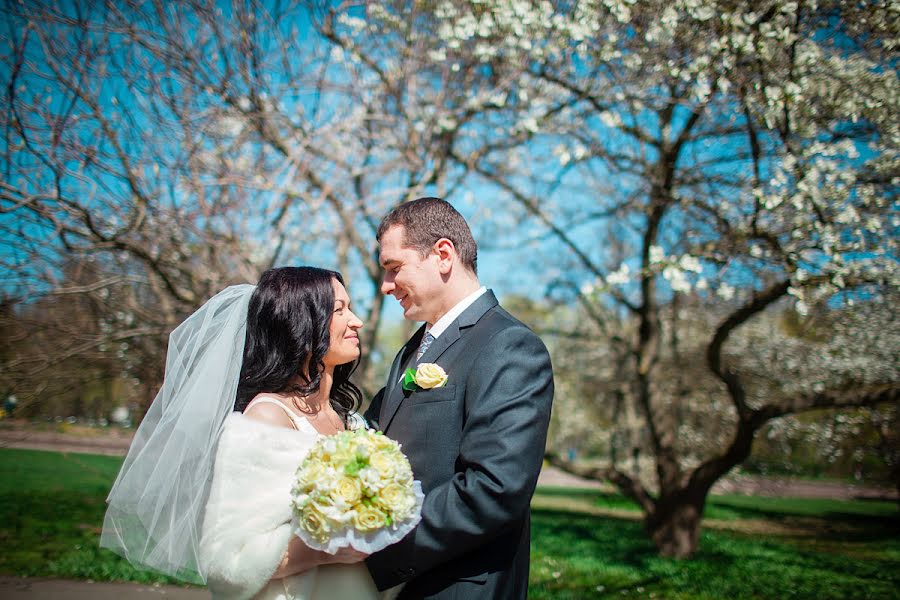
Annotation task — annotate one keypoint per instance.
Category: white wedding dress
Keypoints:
(248, 520)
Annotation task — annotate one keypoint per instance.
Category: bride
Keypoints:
(253, 378)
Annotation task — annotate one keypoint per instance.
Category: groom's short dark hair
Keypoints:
(425, 221)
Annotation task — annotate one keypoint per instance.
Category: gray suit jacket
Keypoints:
(476, 445)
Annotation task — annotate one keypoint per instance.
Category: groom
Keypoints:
(476, 443)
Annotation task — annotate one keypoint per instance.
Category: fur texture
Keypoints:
(247, 525)
(248, 521)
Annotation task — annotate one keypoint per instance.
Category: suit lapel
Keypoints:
(394, 395)
(394, 392)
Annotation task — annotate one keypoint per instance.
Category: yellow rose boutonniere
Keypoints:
(426, 377)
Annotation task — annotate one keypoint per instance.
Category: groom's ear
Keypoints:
(446, 253)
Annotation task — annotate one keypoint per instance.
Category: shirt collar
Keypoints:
(444, 322)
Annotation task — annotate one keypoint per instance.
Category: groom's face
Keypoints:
(414, 280)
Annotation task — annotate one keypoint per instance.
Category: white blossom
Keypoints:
(619, 276)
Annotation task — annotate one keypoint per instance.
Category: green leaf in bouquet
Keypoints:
(356, 465)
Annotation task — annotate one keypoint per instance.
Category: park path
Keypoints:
(21, 588)
(747, 485)
(116, 444)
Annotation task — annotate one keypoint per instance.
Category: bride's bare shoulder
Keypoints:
(269, 409)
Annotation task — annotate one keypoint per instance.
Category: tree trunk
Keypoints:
(674, 526)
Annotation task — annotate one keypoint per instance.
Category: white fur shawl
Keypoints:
(247, 525)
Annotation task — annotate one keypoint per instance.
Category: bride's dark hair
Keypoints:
(288, 334)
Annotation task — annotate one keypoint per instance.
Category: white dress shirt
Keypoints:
(438, 328)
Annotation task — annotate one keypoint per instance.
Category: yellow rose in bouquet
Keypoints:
(313, 521)
(348, 489)
(369, 518)
(394, 498)
(355, 488)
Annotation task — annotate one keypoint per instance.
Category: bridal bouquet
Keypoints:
(355, 488)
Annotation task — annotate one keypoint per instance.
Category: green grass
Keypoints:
(589, 544)
(581, 556)
(53, 506)
(586, 544)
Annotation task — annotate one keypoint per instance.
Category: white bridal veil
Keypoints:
(155, 511)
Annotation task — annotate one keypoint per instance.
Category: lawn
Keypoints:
(53, 505)
(586, 544)
(590, 545)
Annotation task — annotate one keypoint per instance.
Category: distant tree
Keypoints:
(191, 146)
(77, 331)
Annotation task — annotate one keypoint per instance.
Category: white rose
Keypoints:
(430, 375)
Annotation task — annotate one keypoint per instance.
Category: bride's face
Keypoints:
(344, 328)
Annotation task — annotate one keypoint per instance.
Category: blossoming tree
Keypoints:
(733, 150)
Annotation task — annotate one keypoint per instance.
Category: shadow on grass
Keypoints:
(57, 534)
(823, 519)
(590, 556)
(561, 532)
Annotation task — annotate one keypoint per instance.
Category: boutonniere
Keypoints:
(425, 376)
